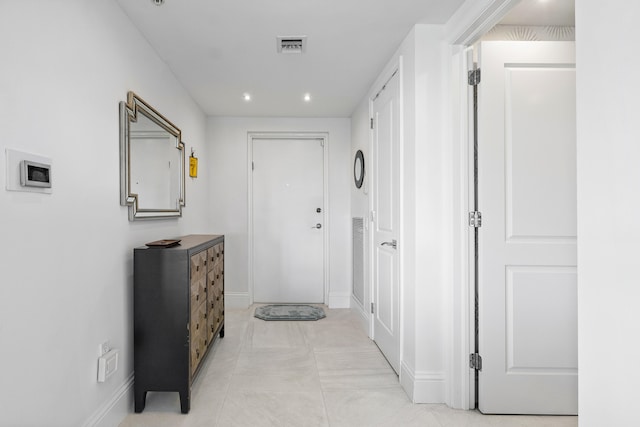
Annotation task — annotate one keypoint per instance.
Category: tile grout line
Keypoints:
(216, 421)
(315, 362)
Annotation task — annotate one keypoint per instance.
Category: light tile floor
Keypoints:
(323, 373)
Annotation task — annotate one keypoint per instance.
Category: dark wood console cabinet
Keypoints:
(178, 307)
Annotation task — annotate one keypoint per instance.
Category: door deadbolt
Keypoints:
(318, 210)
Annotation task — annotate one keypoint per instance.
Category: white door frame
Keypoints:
(324, 137)
(469, 24)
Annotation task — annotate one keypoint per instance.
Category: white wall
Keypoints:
(360, 140)
(608, 197)
(425, 209)
(433, 214)
(227, 165)
(66, 258)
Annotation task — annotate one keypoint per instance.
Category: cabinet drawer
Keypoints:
(198, 269)
(218, 253)
(197, 351)
(198, 335)
(215, 295)
(215, 275)
(211, 279)
(211, 258)
(198, 292)
(216, 311)
(213, 322)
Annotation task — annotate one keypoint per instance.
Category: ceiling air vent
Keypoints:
(294, 44)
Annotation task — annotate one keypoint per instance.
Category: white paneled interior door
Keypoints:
(288, 220)
(385, 216)
(527, 282)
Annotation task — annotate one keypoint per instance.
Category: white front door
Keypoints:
(386, 202)
(527, 241)
(288, 220)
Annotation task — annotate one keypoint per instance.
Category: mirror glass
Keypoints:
(152, 162)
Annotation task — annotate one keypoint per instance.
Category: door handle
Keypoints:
(318, 226)
(393, 244)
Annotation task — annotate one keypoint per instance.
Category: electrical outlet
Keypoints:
(104, 348)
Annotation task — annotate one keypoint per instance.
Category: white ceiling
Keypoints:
(542, 12)
(220, 49)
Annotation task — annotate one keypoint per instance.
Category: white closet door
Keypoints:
(527, 241)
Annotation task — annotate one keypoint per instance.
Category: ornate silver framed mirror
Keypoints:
(152, 162)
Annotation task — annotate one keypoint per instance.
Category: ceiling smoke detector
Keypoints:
(293, 44)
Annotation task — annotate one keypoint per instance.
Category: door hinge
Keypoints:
(371, 123)
(475, 361)
(253, 166)
(372, 310)
(475, 219)
(474, 77)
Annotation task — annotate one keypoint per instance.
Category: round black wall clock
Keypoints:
(358, 169)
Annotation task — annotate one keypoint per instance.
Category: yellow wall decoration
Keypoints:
(193, 166)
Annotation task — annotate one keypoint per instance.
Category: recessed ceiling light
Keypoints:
(307, 97)
(246, 97)
(157, 2)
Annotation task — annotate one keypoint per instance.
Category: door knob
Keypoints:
(318, 225)
(393, 244)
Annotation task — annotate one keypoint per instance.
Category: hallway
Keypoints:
(324, 373)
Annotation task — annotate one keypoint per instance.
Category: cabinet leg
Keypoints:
(222, 332)
(184, 401)
(140, 400)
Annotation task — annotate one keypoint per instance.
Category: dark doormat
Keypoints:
(289, 312)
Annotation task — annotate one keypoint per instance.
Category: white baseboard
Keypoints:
(114, 410)
(339, 300)
(423, 386)
(362, 315)
(242, 300)
(236, 300)
(355, 303)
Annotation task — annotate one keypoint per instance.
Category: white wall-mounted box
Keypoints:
(107, 365)
(15, 161)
